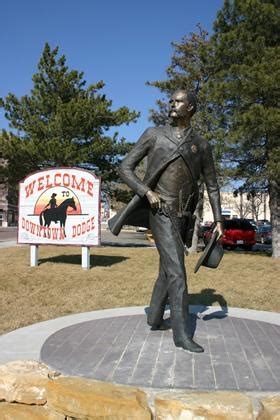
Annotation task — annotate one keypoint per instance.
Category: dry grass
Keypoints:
(121, 277)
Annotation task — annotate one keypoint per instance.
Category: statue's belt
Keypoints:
(167, 211)
(178, 208)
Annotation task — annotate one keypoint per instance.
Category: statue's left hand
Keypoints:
(219, 229)
(154, 199)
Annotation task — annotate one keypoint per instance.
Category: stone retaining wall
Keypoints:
(30, 390)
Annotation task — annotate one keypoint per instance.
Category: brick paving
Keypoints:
(240, 354)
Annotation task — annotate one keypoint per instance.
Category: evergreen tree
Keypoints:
(61, 123)
(245, 59)
(188, 70)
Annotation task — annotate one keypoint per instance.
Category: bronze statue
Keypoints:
(165, 201)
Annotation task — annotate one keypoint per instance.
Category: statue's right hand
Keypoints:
(154, 199)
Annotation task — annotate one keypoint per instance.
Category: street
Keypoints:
(8, 234)
(8, 237)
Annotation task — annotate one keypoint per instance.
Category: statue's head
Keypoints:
(182, 104)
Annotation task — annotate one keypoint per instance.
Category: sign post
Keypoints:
(60, 206)
(34, 255)
(86, 257)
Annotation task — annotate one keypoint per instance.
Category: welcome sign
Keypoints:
(60, 206)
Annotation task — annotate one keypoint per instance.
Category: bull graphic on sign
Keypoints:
(55, 214)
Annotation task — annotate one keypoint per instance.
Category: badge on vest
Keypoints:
(193, 148)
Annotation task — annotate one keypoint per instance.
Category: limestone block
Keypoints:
(82, 398)
(270, 408)
(27, 412)
(24, 382)
(219, 405)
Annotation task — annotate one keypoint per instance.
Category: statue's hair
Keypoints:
(191, 96)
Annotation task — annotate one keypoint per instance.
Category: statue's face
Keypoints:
(179, 107)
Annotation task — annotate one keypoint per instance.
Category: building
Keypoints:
(254, 207)
(105, 207)
(8, 211)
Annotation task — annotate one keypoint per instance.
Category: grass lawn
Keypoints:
(122, 277)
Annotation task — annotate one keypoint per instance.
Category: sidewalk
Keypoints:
(8, 244)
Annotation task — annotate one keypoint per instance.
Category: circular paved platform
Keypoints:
(240, 354)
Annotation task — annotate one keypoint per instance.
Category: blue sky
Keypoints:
(125, 43)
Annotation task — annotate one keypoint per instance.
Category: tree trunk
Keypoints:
(274, 204)
(194, 245)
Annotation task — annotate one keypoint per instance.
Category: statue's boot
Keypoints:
(180, 336)
(155, 316)
(163, 325)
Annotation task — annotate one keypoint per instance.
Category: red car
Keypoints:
(237, 233)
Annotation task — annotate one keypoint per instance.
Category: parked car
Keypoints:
(253, 223)
(237, 233)
(263, 234)
(203, 229)
(263, 222)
